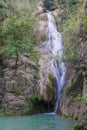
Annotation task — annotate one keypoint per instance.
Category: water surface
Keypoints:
(36, 122)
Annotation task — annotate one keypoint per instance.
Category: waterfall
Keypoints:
(55, 45)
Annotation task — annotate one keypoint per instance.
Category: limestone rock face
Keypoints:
(40, 7)
(68, 105)
(46, 76)
(85, 88)
(71, 108)
(83, 51)
(12, 102)
(14, 88)
(1, 89)
(23, 82)
(56, 12)
(85, 7)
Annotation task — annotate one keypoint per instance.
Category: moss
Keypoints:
(5, 113)
(76, 84)
(36, 68)
(83, 66)
(78, 127)
(49, 91)
(50, 94)
(42, 97)
(43, 38)
(34, 56)
(52, 80)
(35, 105)
(1, 69)
(1, 65)
(18, 93)
(37, 77)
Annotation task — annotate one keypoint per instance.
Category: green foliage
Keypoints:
(69, 22)
(34, 104)
(34, 56)
(5, 113)
(24, 111)
(73, 1)
(50, 93)
(32, 100)
(49, 4)
(36, 68)
(2, 10)
(72, 39)
(18, 28)
(76, 84)
(16, 34)
(18, 93)
(78, 127)
(37, 77)
(34, 97)
(81, 99)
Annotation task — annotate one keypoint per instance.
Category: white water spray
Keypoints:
(55, 45)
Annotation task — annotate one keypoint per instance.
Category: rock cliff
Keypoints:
(32, 89)
(76, 81)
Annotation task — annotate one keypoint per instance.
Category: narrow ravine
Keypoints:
(55, 45)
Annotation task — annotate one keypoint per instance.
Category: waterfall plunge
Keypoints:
(55, 45)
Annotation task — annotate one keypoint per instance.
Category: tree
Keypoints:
(17, 33)
(2, 17)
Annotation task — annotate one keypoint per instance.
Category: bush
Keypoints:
(49, 4)
(73, 1)
(78, 127)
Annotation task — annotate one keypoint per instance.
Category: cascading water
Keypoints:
(55, 45)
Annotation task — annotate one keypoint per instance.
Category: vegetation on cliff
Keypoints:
(19, 69)
(72, 22)
(18, 39)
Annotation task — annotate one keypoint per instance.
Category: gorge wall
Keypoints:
(76, 80)
(32, 89)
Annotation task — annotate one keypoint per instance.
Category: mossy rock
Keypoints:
(80, 126)
(50, 93)
(76, 84)
(18, 93)
(5, 113)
